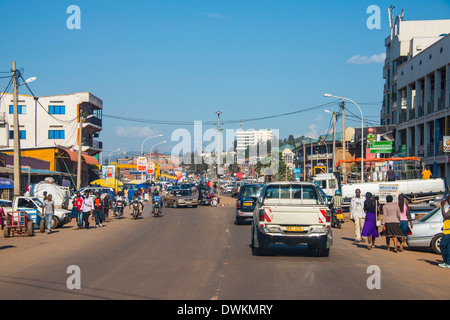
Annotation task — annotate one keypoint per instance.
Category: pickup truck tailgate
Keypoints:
(288, 215)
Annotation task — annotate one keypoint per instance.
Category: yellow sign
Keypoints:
(320, 169)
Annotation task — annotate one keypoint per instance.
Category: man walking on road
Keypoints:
(357, 214)
(87, 207)
(48, 209)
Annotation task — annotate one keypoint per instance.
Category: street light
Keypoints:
(109, 158)
(362, 131)
(142, 145)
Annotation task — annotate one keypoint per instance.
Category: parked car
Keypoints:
(427, 231)
(246, 201)
(180, 198)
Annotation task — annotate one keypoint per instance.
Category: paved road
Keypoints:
(200, 254)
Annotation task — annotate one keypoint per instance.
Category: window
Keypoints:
(22, 134)
(20, 109)
(56, 134)
(57, 109)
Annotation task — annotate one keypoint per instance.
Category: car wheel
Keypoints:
(55, 223)
(436, 243)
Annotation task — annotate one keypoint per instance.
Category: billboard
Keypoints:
(142, 164)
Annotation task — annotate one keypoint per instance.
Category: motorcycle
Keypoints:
(213, 200)
(118, 209)
(157, 210)
(338, 218)
(135, 210)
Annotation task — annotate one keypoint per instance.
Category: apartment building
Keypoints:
(51, 121)
(247, 138)
(417, 89)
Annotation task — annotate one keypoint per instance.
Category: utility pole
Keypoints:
(80, 123)
(334, 140)
(219, 155)
(304, 161)
(344, 165)
(17, 166)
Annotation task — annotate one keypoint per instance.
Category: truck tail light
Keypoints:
(261, 215)
(328, 216)
(238, 204)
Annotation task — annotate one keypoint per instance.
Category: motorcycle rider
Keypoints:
(336, 202)
(137, 198)
(156, 198)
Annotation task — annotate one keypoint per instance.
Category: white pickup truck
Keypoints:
(292, 213)
(33, 206)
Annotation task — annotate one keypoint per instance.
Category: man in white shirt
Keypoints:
(87, 208)
(357, 213)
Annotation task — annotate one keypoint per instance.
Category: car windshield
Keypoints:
(251, 191)
(429, 215)
(181, 193)
(295, 194)
(38, 202)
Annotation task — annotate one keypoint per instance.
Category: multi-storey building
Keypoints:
(247, 138)
(417, 89)
(49, 131)
(53, 120)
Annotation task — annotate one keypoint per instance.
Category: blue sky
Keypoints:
(184, 60)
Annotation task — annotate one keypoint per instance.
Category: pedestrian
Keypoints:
(445, 241)
(44, 194)
(48, 210)
(98, 210)
(130, 196)
(370, 228)
(77, 204)
(87, 208)
(390, 174)
(391, 222)
(357, 214)
(405, 217)
(426, 173)
(106, 206)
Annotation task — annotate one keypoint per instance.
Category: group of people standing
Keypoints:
(396, 223)
(97, 206)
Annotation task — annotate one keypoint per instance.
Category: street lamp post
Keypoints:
(142, 145)
(362, 131)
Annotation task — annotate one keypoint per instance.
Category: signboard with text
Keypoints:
(388, 189)
(382, 147)
(142, 164)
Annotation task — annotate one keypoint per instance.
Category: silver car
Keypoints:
(427, 231)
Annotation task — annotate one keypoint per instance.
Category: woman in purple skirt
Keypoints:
(370, 229)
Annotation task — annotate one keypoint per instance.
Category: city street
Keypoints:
(200, 254)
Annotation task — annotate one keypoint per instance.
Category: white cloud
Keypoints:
(138, 132)
(376, 58)
(312, 131)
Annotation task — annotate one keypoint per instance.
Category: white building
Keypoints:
(407, 39)
(417, 89)
(52, 121)
(251, 138)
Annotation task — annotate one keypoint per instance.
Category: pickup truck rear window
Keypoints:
(292, 195)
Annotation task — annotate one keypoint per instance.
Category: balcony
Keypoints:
(420, 111)
(430, 107)
(412, 114)
(430, 150)
(94, 121)
(441, 103)
(402, 116)
(412, 151)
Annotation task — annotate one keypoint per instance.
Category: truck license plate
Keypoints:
(340, 216)
(294, 228)
(248, 204)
